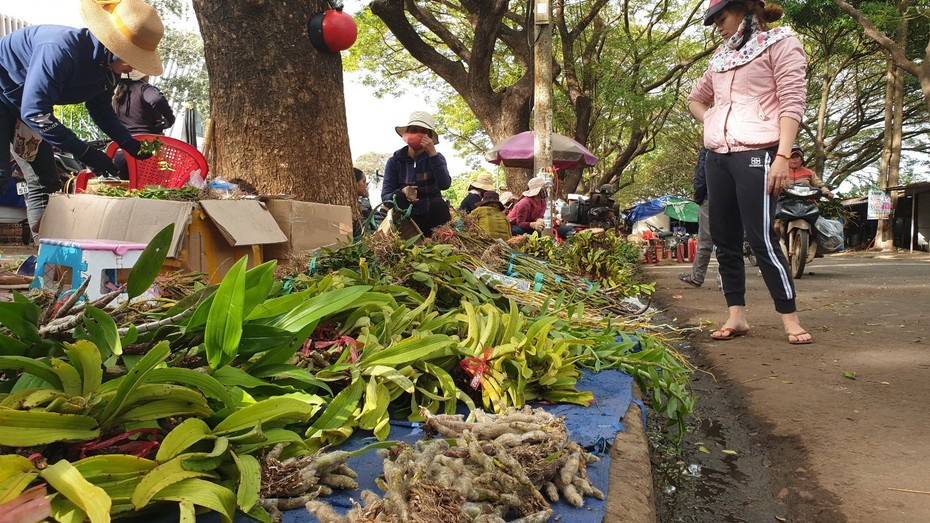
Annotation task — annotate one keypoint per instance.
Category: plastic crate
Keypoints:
(16, 233)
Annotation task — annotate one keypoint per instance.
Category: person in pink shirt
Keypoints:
(750, 100)
(527, 215)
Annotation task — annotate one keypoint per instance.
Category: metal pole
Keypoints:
(913, 212)
(542, 78)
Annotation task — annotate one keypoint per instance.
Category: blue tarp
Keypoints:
(646, 210)
(592, 427)
(677, 208)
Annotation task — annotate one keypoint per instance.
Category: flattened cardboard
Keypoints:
(308, 226)
(243, 222)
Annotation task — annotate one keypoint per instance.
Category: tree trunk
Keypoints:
(277, 103)
(884, 235)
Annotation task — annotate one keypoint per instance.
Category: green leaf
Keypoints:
(224, 323)
(850, 374)
(205, 383)
(260, 338)
(22, 319)
(66, 479)
(16, 473)
(202, 493)
(150, 262)
(70, 377)
(258, 283)
(188, 433)
(102, 332)
(37, 368)
(85, 356)
(250, 481)
(266, 412)
(340, 409)
(409, 350)
(11, 346)
(31, 428)
(133, 379)
(320, 306)
(161, 477)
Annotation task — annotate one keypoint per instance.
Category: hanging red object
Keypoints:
(332, 31)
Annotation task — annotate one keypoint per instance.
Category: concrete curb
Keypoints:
(630, 497)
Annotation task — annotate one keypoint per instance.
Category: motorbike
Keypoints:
(595, 211)
(796, 213)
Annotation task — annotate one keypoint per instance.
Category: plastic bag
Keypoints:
(829, 234)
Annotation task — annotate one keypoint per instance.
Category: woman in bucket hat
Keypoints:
(527, 215)
(416, 174)
(43, 66)
(750, 100)
(476, 189)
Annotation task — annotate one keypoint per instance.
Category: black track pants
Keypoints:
(736, 184)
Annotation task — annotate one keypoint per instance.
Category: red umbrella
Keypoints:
(518, 151)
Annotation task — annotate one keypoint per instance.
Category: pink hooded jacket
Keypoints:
(747, 102)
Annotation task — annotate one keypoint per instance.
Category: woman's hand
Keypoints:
(778, 175)
(410, 192)
(428, 144)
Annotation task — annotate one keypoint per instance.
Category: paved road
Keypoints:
(821, 447)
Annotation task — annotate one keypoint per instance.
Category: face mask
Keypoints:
(414, 139)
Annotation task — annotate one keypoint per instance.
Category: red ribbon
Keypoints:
(475, 367)
(139, 448)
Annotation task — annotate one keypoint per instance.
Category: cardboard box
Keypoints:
(209, 236)
(308, 226)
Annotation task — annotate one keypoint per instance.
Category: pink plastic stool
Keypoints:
(85, 258)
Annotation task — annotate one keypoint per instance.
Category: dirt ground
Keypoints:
(811, 444)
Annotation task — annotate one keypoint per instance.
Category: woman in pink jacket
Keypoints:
(750, 100)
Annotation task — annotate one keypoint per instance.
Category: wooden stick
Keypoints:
(909, 491)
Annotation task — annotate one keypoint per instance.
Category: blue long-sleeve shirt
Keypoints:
(429, 174)
(46, 65)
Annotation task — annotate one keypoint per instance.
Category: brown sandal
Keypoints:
(727, 333)
(796, 335)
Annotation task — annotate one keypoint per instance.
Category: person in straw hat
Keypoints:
(527, 215)
(416, 175)
(43, 66)
(476, 189)
(491, 218)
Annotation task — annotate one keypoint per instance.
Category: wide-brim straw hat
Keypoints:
(484, 182)
(506, 197)
(130, 29)
(536, 184)
(420, 119)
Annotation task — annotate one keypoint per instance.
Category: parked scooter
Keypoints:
(795, 213)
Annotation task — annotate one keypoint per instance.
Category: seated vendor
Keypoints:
(491, 218)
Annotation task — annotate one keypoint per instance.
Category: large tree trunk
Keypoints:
(884, 235)
(277, 104)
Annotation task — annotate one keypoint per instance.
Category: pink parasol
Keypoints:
(517, 151)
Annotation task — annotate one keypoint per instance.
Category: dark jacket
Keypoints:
(700, 179)
(141, 108)
(42, 66)
(470, 202)
(430, 175)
